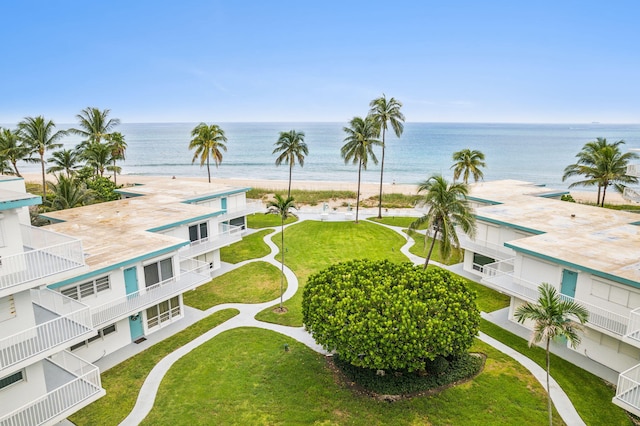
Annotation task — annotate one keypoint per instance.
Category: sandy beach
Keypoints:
(367, 189)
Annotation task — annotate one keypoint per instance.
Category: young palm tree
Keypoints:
(448, 207)
(291, 146)
(98, 156)
(208, 141)
(552, 318)
(118, 148)
(361, 137)
(38, 134)
(385, 112)
(94, 125)
(66, 160)
(68, 193)
(12, 149)
(282, 207)
(468, 162)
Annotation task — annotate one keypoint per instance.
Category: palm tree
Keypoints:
(468, 162)
(38, 134)
(12, 149)
(64, 160)
(208, 141)
(291, 146)
(94, 125)
(448, 207)
(68, 193)
(361, 137)
(386, 112)
(282, 207)
(97, 156)
(551, 316)
(118, 148)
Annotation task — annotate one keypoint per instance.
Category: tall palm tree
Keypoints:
(552, 317)
(38, 134)
(282, 207)
(68, 193)
(94, 125)
(12, 149)
(208, 141)
(448, 207)
(98, 156)
(291, 146)
(361, 137)
(118, 149)
(385, 112)
(468, 162)
(66, 160)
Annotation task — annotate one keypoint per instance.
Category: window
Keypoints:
(157, 272)
(80, 291)
(479, 261)
(11, 379)
(101, 334)
(198, 232)
(7, 308)
(162, 312)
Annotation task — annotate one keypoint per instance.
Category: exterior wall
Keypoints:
(10, 234)
(607, 350)
(24, 392)
(93, 351)
(537, 271)
(212, 258)
(17, 185)
(24, 318)
(607, 294)
(182, 231)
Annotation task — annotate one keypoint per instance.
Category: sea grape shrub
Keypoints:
(390, 316)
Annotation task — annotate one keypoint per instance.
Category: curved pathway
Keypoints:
(246, 318)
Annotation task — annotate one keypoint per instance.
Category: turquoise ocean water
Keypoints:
(533, 152)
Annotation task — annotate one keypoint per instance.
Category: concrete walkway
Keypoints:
(246, 318)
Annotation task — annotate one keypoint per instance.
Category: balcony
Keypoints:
(45, 253)
(60, 322)
(71, 383)
(628, 390)
(192, 274)
(485, 248)
(499, 276)
(633, 170)
(229, 235)
(631, 194)
(251, 207)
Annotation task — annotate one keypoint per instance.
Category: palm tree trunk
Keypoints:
(604, 193)
(433, 243)
(282, 264)
(208, 170)
(44, 183)
(598, 200)
(548, 388)
(358, 193)
(114, 172)
(15, 167)
(290, 170)
(381, 173)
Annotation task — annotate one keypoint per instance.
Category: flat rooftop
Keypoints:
(181, 189)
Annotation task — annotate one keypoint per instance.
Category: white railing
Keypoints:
(228, 234)
(85, 385)
(633, 330)
(146, 297)
(46, 253)
(603, 318)
(485, 248)
(631, 194)
(628, 389)
(74, 321)
(633, 170)
(251, 206)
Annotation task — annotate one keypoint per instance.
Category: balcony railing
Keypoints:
(228, 235)
(628, 390)
(633, 331)
(45, 253)
(252, 206)
(485, 248)
(633, 170)
(498, 276)
(80, 386)
(71, 319)
(195, 274)
(631, 194)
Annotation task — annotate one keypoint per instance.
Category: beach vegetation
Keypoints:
(94, 125)
(208, 141)
(118, 149)
(282, 207)
(251, 246)
(97, 156)
(552, 317)
(386, 112)
(291, 147)
(393, 201)
(68, 192)
(468, 163)
(448, 208)
(103, 189)
(358, 147)
(64, 160)
(12, 150)
(602, 164)
(390, 316)
(303, 196)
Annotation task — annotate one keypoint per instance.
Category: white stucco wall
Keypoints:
(21, 393)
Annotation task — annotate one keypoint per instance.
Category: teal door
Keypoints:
(131, 286)
(568, 285)
(223, 203)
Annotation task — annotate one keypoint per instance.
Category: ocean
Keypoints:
(532, 152)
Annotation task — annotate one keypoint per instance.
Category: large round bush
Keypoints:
(384, 315)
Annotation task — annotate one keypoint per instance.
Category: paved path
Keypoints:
(246, 318)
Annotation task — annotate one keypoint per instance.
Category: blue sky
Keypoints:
(221, 61)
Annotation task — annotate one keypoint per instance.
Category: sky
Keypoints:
(304, 61)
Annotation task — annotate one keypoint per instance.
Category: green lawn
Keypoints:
(420, 249)
(254, 282)
(250, 247)
(258, 221)
(244, 377)
(123, 381)
(401, 221)
(488, 300)
(313, 246)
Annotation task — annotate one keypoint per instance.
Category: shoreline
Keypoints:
(367, 189)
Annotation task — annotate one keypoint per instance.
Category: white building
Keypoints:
(107, 275)
(526, 236)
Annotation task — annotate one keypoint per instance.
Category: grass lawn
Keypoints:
(244, 377)
(488, 300)
(393, 201)
(420, 249)
(254, 282)
(250, 247)
(300, 196)
(401, 221)
(313, 246)
(258, 221)
(123, 381)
